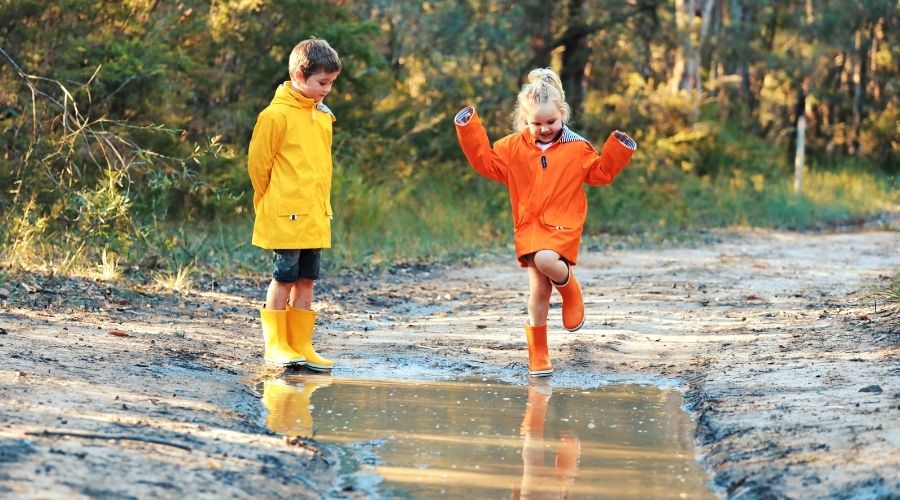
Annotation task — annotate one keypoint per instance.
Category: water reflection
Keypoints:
(290, 411)
(489, 439)
(538, 479)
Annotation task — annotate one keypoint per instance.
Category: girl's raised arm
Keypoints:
(474, 141)
(615, 154)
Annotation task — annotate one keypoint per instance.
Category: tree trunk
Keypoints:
(800, 153)
(540, 29)
(860, 83)
(576, 58)
(740, 20)
(706, 21)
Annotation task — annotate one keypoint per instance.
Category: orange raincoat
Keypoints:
(546, 190)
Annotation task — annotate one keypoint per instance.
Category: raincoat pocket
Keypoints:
(566, 217)
(287, 208)
(561, 222)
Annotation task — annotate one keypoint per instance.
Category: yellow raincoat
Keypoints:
(289, 163)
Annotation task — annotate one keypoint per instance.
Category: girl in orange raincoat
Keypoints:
(544, 165)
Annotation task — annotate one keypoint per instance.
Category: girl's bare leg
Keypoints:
(539, 298)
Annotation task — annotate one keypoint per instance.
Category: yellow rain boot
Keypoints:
(303, 403)
(279, 399)
(277, 351)
(538, 356)
(300, 325)
(290, 412)
(572, 303)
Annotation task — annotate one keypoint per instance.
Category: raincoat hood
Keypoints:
(288, 96)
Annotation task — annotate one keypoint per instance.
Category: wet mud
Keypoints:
(789, 371)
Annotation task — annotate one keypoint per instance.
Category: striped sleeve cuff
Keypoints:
(626, 141)
(464, 115)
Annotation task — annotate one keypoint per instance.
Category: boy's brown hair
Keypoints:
(312, 56)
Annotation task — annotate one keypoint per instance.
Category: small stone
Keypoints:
(871, 388)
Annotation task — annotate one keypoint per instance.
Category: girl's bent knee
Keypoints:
(544, 260)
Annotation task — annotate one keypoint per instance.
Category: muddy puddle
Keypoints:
(484, 438)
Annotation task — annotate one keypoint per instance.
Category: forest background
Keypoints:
(125, 124)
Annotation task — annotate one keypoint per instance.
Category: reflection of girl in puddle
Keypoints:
(289, 406)
(539, 480)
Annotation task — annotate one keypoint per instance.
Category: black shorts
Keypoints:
(291, 265)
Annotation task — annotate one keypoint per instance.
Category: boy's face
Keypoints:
(544, 121)
(317, 86)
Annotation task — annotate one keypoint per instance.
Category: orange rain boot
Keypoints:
(300, 325)
(572, 303)
(568, 451)
(538, 356)
(276, 349)
(539, 392)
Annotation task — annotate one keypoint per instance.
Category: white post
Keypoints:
(799, 156)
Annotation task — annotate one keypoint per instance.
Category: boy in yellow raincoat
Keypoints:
(289, 163)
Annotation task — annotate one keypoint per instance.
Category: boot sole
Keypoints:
(577, 327)
(285, 363)
(319, 368)
(541, 373)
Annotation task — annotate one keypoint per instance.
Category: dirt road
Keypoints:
(791, 372)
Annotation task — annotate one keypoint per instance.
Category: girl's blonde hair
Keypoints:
(543, 86)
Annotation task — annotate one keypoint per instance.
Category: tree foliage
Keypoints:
(119, 116)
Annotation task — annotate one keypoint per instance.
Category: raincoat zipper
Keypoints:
(536, 190)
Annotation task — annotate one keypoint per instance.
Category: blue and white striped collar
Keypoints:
(322, 107)
(567, 135)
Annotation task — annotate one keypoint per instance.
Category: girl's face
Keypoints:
(317, 86)
(544, 121)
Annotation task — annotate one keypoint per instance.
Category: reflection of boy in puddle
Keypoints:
(538, 480)
(289, 406)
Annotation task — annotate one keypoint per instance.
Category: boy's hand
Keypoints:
(626, 141)
(464, 115)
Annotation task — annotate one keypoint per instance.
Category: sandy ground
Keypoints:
(788, 367)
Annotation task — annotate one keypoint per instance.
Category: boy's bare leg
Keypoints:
(551, 265)
(302, 294)
(277, 295)
(539, 298)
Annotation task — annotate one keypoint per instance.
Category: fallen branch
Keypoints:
(87, 435)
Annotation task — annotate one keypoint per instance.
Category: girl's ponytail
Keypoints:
(543, 86)
(546, 76)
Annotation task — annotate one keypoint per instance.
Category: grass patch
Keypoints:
(890, 293)
(639, 202)
(175, 280)
(379, 224)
